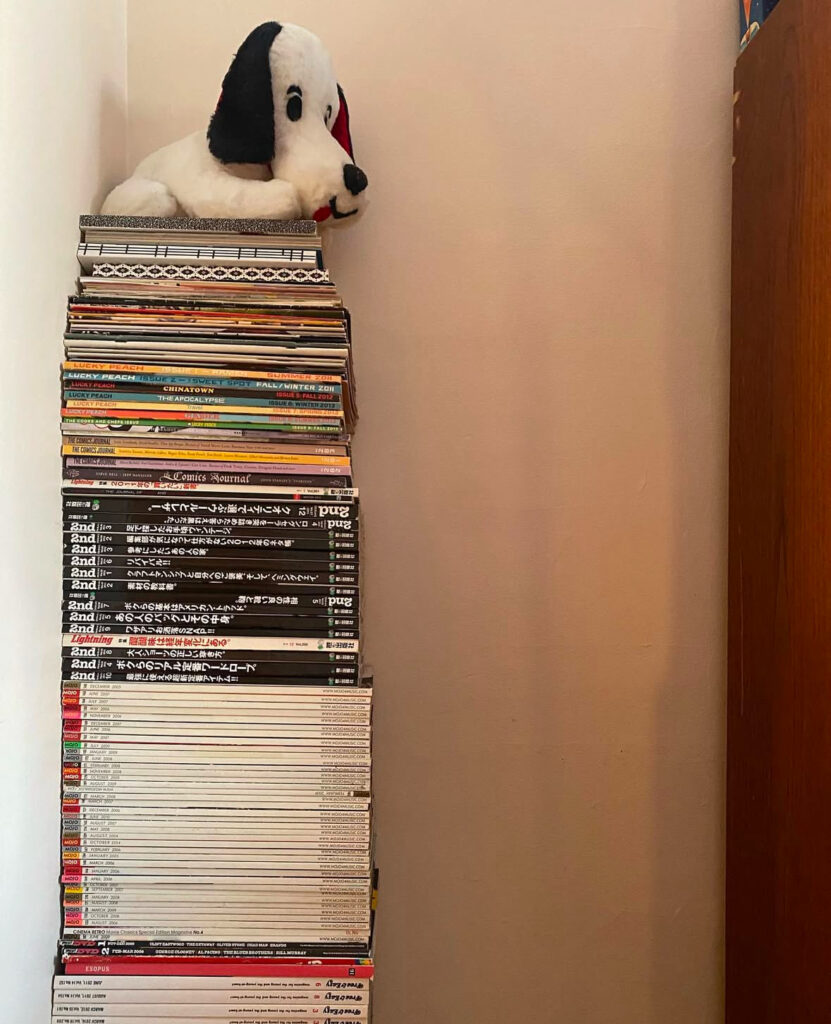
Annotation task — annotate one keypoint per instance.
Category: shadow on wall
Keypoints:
(112, 116)
(690, 713)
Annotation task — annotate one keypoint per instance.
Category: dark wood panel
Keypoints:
(779, 701)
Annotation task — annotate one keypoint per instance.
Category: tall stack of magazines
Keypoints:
(216, 833)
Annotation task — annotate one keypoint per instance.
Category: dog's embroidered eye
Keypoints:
(294, 105)
(327, 115)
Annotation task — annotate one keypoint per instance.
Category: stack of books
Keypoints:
(216, 810)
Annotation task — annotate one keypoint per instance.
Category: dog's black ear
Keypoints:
(242, 127)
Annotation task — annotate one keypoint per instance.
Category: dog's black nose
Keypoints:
(354, 179)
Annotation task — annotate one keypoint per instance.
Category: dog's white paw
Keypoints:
(283, 200)
(140, 197)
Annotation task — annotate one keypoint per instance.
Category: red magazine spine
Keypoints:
(235, 969)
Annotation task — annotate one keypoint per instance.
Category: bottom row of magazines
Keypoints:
(258, 992)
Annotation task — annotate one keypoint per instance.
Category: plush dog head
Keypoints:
(281, 105)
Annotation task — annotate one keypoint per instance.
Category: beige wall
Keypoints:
(62, 145)
(540, 295)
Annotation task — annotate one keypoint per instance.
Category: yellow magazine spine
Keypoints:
(250, 410)
(117, 451)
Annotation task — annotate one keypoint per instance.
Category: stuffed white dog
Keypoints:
(278, 144)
